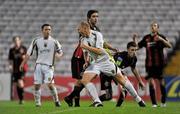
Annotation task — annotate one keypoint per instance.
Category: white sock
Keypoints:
(132, 91)
(37, 97)
(93, 92)
(54, 94)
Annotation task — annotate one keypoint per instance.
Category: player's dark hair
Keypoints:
(42, 27)
(90, 12)
(131, 44)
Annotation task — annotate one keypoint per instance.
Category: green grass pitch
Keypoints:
(129, 107)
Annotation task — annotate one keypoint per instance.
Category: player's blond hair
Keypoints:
(84, 28)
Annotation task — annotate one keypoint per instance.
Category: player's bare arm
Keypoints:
(166, 42)
(24, 61)
(92, 49)
(107, 45)
(87, 60)
(136, 74)
(135, 37)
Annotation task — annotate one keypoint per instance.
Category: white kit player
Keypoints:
(47, 48)
(92, 42)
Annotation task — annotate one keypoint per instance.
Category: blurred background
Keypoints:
(118, 20)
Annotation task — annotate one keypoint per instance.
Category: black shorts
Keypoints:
(105, 82)
(77, 67)
(154, 72)
(17, 76)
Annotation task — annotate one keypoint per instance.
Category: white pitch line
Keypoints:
(66, 110)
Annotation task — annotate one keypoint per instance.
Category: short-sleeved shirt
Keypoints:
(154, 50)
(45, 50)
(16, 55)
(122, 60)
(96, 40)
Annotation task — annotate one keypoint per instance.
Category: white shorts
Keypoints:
(107, 67)
(43, 74)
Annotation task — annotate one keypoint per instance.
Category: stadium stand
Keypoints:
(118, 20)
(172, 69)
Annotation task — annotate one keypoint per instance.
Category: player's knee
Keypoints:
(51, 86)
(85, 80)
(120, 79)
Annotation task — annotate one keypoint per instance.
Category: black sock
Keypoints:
(121, 97)
(163, 93)
(77, 98)
(20, 92)
(152, 94)
(102, 97)
(76, 91)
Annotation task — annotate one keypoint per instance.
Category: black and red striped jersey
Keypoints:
(154, 50)
(16, 56)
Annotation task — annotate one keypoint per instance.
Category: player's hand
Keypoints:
(115, 50)
(59, 55)
(10, 68)
(158, 38)
(86, 64)
(134, 37)
(83, 45)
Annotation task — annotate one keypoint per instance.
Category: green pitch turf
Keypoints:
(12, 107)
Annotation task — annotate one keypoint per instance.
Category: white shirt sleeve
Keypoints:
(31, 47)
(84, 41)
(58, 47)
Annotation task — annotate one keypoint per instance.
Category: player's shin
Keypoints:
(93, 92)
(132, 91)
(76, 91)
(54, 94)
(163, 93)
(37, 97)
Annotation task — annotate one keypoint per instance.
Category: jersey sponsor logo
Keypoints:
(45, 51)
(151, 44)
(119, 61)
(45, 44)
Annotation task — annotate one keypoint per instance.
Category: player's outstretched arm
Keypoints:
(137, 75)
(107, 45)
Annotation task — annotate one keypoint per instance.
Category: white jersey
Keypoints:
(96, 40)
(45, 50)
(102, 63)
